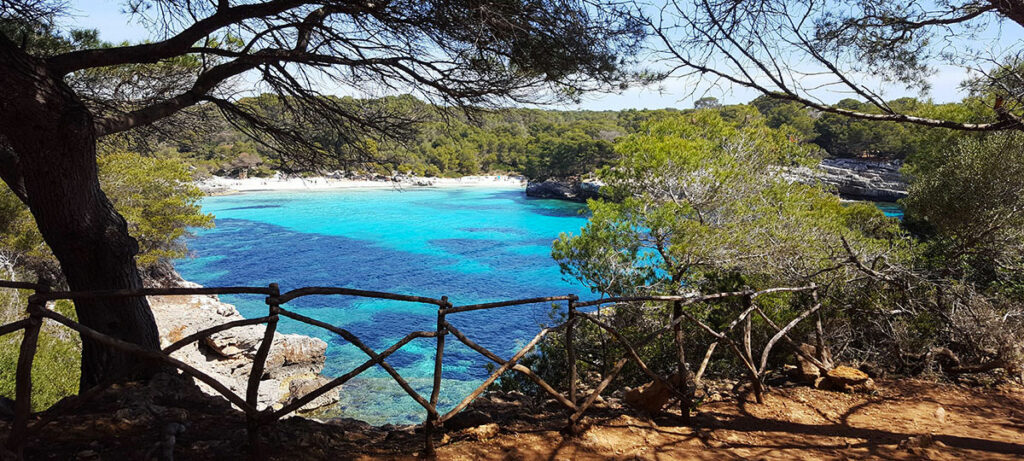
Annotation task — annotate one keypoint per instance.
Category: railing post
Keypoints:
(819, 328)
(435, 393)
(755, 378)
(23, 378)
(570, 351)
(252, 390)
(570, 348)
(685, 401)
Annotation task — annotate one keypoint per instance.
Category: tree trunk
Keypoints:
(50, 161)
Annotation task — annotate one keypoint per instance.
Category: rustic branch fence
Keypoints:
(258, 419)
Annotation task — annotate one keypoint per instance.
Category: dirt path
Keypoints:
(904, 420)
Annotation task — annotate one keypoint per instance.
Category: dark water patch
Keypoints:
(500, 230)
(399, 243)
(269, 253)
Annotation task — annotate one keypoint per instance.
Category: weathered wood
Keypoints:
(751, 368)
(209, 331)
(782, 333)
(252, 389)
(301, 402)
(747, 327)
(23, 384)
(37, 305)
(490, 379)
(631, 351)
(136, 292)
(14, 326)
(308, 291)
(628, 299)
(150, 354)
(704, 363)
(476, 307)
(685, 402)
(23, 285)
(752, 374)
(820, 330)
(351, 338)
(517, 367)
(692, 297)
(570, 348)
(435, 392)
(711, 349)
(575, 418)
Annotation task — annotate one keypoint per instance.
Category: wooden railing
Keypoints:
(576, 405)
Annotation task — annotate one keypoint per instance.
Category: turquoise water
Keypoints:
(471, 244)
(892, 210)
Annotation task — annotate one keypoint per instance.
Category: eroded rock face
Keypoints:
(855, 178)
(563, 189)
(299, 387)
(227, 356)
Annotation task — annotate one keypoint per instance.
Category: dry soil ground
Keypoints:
(902, 420)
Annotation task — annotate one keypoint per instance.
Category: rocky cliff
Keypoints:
(293, 366)
(563, 189)
(856, 179)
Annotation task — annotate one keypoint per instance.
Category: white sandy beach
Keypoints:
(217, 185)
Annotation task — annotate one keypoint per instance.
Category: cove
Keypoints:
(470, 244)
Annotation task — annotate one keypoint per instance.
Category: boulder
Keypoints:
(653, 396)
(847, 379)
(289, 354)
(300, 387)
(806, 371)
(227, 356)
(295, 354)
(847, 376)
(484, 432)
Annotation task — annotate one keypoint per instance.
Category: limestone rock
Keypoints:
(847, 375)
(484, 432)
(653, 396)
(563, 189)
(855, 178)
(806, 371)
(847, 379)
(227, 356)
(300, 387)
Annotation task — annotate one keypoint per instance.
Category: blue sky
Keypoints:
(115, 26)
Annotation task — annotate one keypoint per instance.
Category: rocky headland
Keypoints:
(564, 189)
(292, 368)
(855, 179)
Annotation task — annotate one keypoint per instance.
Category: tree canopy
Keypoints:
(808, 51)
(64, 89)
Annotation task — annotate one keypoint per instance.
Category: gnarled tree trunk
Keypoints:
(48, 157)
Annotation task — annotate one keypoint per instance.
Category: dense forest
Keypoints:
(539, 143)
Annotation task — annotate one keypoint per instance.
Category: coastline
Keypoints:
(295, 362)
(292, 369)
(217, 185)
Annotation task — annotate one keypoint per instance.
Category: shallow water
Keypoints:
(472, 245)
(892, 210)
